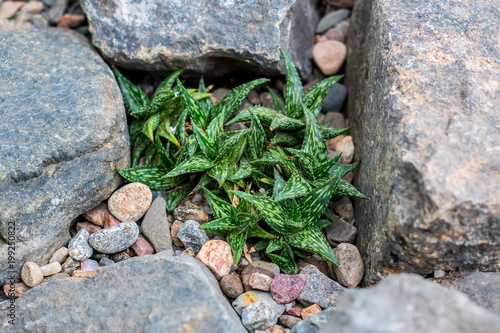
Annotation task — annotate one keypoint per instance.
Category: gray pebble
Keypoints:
(258, 316)
(156, 228)
(332, 19)
(314, 323)
(106, 262)
(335, 98)
(116, 238)
(78, 246)
(191, 236)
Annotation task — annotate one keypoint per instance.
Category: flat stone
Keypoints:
(116, 238)
(425, 124)
(350, 270)
(120, 256)
(412, 303)
(173, 231)
(106, 262)
(261, 279)
(310, 310)
(156, 228)
(90, 227)
(191, 236)
(286, 288)
(332, 19)
(97, 215)
(15, 290)
(335, 98)
(70, 265)
(191, 212)
(31, 274)
(83, 274)
(89, 265)
(341, 232)
(482, 288)
(315, 323)
(142, 246)
(130, 202)
(61, 92)
(319, 289)
(329, 56)
(217, 256)
(60, 255)
(270, 266)
(254, 296)
(51, 269)
(289, 321)
(258, 316)
(170, 294)
(220, 30)
(79, 248)
(231, 286)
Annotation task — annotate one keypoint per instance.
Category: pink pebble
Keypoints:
(286, 288)
(142, 246)
(89, 265)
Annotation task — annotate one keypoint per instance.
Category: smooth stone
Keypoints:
(83, 274)
(61, 92)
(155, 226)
(334, 100)
(116, 238)
(157, 194)
(261, 280)
(314, 323)
(169, 294)
(79, 248)
(130, 202)
(60, 276)
(329, 56)
(70, 265)
(89, 265)
(253, 296)
(335, 119)
(483, 288)
(231, 286)
(219, 94)
(258, 316)
(270, 266)
(344, 208)
(31, 274)
(319, 289)
(97, 215)
(60, 255)
(191, 236)
(217, 256)
(253, 97)
(286, 288)
(51, 269)
(410, 304)
(191, 212)
(349, 272)
(142, 246)
(9, 8)
(346, 148)
(332, 19)
(106, 262)
(341, 232)
(335, 34)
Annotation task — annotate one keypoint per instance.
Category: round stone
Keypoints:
(351, 269)
(79, 248)
(231, 286)
(130, 202)
(329, 56)
(258, 316)
(217, 256)
(51, 269)
(31, 274)
(191, 236)
(116, 238)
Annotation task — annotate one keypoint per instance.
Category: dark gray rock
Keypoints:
(210, 36)
(319, 289)
(156, 293)
(335, 98)
(106, 262)
(191, 236)
(425, 123)
(116, 238)
(314, 323)
(155, 227)
(289, 321)
(482, 288)
(258, 316)
(62, 132)
(341, 232)
(408, 303)
(78, 247)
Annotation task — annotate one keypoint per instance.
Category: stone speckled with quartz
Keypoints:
(217, 256)
(319, 289)
(130, 202)
(261, 279)
(286, 288)
(310, 310)
(191, 236)
(79, 248)
(254, 296)
(191, 212)
(70, 265)
(116, 238)
(258, 316)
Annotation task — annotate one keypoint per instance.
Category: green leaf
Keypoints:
(286, 265)
(323, 223)
(305, 161)
(257, 231)
(315, 96)
(329, 132)
(228, 141)
(237, 243)
(134, 129)
(296, 187)
(195, 111)
(221, 226)
(278, 104)
(164, 130)
(167, 84)
(151, 125)
(245, 170)
(345, 189)
(256, 139)
(133, 96)
(160, 149)
(196, 163)
(150, 176)
(220, 171)
(140, 145)
(262, 244)
(278, 184)
(174, 197)
(180, 131)
(264, 114)
(281, 122)
(294, 90)
(220, 207)
(314, 143)
(267, 160)
(312, 240)
(206, 146)
(149, 154)
(159, 100)
(215, 128)
(285, 139)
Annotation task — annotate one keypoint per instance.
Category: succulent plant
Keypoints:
(274, 178)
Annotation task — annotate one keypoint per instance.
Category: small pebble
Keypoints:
(70, 21)
(83, 274)
(70, 265)
(345, 209)
(276, 329)
(9, 8)
(130, 202)
(295, 311)
(116, 238)
(253, 296)
(231, 286)
(191, 236)
(79, 248)
(51, 269)
(332, 19)
(175, 228)
(188, 252)
(15, 290)
(341, 232)
(319, 289)
(219, 94)
(258, 316)
(101, 268)
(266, 100)
(351, 269)
(142, 246)
(270, 266)
(335, 119)
(90, 227)
(155, 227)
(217, 256)
(106, 262)
(346, 148)
(120, 256)
(438, 274)
(253, 97)
(329, 56)
(197, 198)
(261, 279)
(97, 215)
(60, 276)
(60, 255)
(31, 274)
(110, 221)
(191, 212)
(289, 321)
(34, 7)
(89, 265)
(286, 288)
(310, 311)
(331, 144)
(335, 34)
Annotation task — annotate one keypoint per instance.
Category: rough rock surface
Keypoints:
(157, 293)
(314, 323)
(414, 305)
(209, 36)
(319, 289)
(423, 78)
(62, 132)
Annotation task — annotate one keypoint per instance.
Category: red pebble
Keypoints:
(142, 246)
(295, 311)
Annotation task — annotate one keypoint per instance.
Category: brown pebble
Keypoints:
(97, 215)
(231, 286)
(217, 256)
(130, 202)
(31, 274)
(70, 21)
(310, 311)
(15, 290)
(142, 246)
(175, 228)
(91, 228)
(83, 274)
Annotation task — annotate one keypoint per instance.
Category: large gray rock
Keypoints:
(62, 132)
(408, 303)
(209, 36)
(424, 78)
(158, 293)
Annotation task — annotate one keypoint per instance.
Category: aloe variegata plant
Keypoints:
(274, 179)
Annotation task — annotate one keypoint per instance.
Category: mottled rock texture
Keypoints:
(408, 303)
(423, 78)
(209, 36)
(62, 132)
(157, 293)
